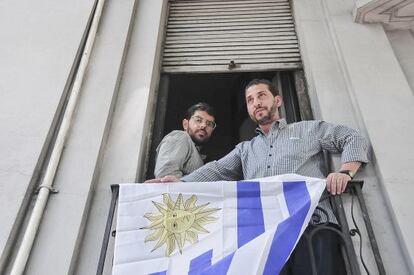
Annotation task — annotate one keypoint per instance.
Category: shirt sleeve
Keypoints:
(172, 154)
(227, 168)
(342, 139)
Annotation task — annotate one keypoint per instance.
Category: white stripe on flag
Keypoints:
(258, 225)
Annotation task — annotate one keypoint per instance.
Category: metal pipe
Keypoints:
(45, 188)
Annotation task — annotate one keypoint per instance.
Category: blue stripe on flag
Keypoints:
(250, 222)
(219, 268)
(201, 262)
(298, 203)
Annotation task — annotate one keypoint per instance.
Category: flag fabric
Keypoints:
(244, 227)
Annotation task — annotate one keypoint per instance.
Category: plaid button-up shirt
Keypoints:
(287, 148)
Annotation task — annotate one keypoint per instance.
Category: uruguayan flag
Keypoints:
(245, 227)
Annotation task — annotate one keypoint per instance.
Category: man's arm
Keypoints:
(354, 149)
(164, 179)
(227, 168)
(172, 154)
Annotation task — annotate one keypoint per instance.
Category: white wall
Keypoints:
(106, 139)
(109, 131)
(402, 43)
(36, 57)
(355, 78)
(129, 130)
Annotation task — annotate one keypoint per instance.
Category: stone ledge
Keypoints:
(393, 14)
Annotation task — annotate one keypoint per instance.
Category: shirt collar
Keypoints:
(278, 124)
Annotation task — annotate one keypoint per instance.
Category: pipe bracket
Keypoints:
(51, 189)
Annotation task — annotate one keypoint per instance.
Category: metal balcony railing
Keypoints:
(344, 233)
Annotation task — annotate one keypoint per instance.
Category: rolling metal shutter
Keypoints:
(230, 35)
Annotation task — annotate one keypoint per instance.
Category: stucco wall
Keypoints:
(355, 78)
(109, 130)
(129, 132)
(402, 43)
(38, 48)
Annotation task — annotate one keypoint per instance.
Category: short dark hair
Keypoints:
(269, 84)
(201, 106)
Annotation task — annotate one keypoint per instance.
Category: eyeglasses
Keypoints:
(200, 120)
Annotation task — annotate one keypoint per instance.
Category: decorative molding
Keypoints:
(393, 14)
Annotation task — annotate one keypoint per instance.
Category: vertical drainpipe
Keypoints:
(46, 186)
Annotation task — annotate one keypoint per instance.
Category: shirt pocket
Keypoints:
(295, 148)
(302, 148)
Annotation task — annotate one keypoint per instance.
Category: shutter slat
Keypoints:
(229, 37)
(231, 53)
(236, 58)
(233, 23)
(206, 35)
(241, 62)
(201, 40)
(239, 48)
(228, 28)
(189, 17)
(228, 20)
(206, 3)
(235, 11)
(231, 5)
(233, 44)
(228, 32)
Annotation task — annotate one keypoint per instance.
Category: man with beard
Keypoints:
(178, 154)
(281, 148)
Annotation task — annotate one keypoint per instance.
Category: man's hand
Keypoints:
(163, 179)
(337, 182)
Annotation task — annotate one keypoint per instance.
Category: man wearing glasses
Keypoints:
(178, 154)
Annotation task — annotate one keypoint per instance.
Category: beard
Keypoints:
(267, 118)
(196, 139)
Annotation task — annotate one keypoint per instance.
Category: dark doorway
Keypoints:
(225, 92)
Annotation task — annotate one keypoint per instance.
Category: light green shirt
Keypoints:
(177, 155)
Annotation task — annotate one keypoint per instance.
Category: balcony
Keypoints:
(349, 208)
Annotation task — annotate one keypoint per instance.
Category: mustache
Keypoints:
(260, 109)
(202, 130)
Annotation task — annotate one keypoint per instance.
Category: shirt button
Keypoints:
(268, 166)
(271, 146)
(270, 155)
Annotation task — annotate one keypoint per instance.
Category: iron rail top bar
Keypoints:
(114, 187)
(350, 183)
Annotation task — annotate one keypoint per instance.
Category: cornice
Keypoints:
(393, 14)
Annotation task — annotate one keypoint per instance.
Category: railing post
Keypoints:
(107, 234)
(353, 262)
(374, 245)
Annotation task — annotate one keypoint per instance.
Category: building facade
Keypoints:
(354, 65)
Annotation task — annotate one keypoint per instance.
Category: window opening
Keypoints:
(223, 91)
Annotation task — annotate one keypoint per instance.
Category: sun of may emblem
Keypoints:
(178, 222)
